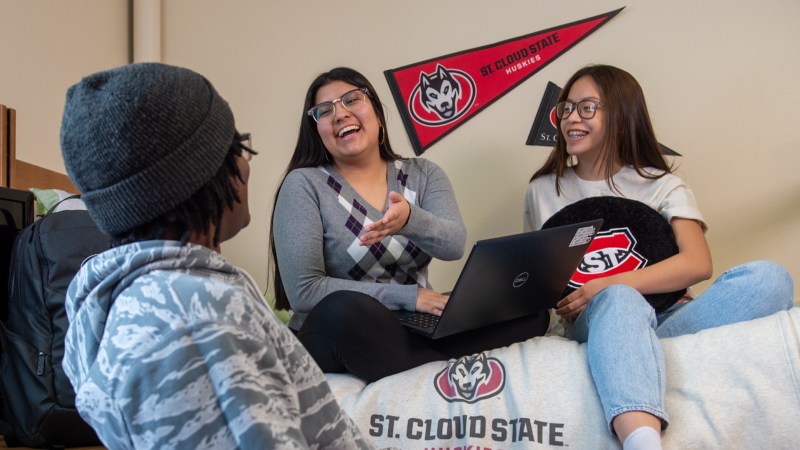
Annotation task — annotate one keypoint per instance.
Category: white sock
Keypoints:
(643, 438)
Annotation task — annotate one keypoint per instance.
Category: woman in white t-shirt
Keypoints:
(607, 147)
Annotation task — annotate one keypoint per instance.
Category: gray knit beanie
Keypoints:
(139, 140)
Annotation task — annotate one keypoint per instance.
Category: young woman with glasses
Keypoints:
(354, 228)
(607, 147)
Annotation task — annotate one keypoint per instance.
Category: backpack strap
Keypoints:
(78, 196)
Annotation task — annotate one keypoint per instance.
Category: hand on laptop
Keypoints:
(430, 302)
(393, 220)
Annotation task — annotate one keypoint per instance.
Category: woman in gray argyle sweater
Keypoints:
(354, 228)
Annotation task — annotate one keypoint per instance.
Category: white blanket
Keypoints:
(736, 386)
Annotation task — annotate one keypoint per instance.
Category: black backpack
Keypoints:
(39, 408)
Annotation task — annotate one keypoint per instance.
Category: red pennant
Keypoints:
(438, 95)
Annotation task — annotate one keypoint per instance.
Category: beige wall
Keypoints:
(718, 77)
(49, 45)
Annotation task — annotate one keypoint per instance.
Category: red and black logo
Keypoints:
(612, 251)
(470, 379)
(438, 95)
(442, 97)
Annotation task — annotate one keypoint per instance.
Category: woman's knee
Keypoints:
(617, 301)
(770, 279)
(346, 313)
(334, 325)
(340, 306)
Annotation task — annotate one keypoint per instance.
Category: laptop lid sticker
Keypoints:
(583, 236)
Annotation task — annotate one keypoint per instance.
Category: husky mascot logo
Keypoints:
(470, 379)
(440, 92)
(612, 252)
(440, 95)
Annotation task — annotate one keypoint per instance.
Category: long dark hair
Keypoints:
(629, 132)
(311, 152)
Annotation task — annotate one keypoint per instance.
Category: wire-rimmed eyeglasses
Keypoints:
(351, 100)
(586, 109)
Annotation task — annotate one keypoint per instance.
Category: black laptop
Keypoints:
(508, 277)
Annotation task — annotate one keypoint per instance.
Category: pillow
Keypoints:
(47, 198)
(633, 236)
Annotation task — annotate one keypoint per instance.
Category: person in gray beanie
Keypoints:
(142, 140)
(170, 345)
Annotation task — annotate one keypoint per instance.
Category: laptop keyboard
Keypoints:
(420, 319)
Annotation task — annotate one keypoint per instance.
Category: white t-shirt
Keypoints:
(669, 195)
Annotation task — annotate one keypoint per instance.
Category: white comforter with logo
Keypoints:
(736, 386)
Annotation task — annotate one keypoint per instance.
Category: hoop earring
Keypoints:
(383, 134)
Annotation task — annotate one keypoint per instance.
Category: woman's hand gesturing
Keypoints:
(395, 218)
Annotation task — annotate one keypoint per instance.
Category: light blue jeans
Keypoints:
(622, 332)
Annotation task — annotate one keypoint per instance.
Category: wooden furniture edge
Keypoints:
(26, 175)
(18, 174)
(4, 146)
(12, 146)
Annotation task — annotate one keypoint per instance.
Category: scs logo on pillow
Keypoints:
(612, 252)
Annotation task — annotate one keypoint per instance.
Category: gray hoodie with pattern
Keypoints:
(171, 346)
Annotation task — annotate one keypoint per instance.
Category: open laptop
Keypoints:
(508, 277)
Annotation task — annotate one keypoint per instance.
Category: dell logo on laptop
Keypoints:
(521, 279)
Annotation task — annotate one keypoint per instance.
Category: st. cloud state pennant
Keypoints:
(438, 95)
(544, 131)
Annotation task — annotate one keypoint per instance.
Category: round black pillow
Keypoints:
(633, 236)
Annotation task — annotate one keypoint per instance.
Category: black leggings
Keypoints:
(352, 332)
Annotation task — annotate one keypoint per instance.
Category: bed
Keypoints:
(540, 393)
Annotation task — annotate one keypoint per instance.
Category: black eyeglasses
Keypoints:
(247, 142)
(586, 108)
(351, 100)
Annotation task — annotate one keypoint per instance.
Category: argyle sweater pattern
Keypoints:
(319, 219)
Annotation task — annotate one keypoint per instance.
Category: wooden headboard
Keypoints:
(22, 175)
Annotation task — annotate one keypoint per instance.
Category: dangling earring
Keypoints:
(383, 134)
(326, 157)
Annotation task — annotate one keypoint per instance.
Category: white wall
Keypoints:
(718, 76)
(49, 45)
